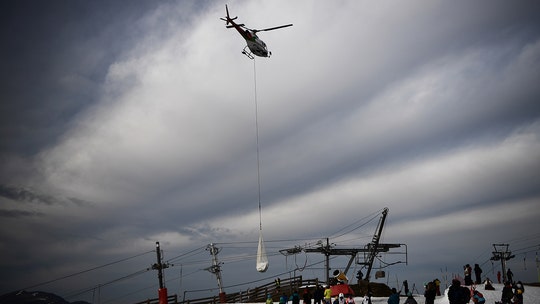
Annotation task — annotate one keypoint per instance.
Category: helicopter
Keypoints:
(255, 46)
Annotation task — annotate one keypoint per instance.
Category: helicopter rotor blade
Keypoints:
(273, 28)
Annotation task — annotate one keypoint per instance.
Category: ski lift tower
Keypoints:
(502, 254)
(370, 251)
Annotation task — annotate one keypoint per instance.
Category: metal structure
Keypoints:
(370, 251)
(502, 254)
(216, 266)
(159, 266)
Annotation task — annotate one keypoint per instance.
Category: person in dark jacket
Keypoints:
(295, 298)
(306, 296)
(518, 293)
(458, 294)
(430, 293)
(394, 297)
(283, 299)
(318, 295)
(510, 276)
(467, 271)
(507, 294)
(478, 274)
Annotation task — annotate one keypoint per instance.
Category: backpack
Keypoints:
(479, 298)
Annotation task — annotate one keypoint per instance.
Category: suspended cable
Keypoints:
(262, 259)
(129, 276)
(371, 217)
(88, 270)
(257, 143)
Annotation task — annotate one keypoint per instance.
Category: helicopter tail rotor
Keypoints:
(228, 19)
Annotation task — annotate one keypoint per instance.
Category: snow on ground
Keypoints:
(530, 296)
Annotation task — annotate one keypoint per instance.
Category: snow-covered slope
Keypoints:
(531, 296)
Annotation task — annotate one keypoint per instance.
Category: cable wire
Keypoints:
(88, 270)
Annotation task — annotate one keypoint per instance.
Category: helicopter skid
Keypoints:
(247, 53)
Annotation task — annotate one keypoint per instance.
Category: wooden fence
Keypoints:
(172, 299)
(257, 294)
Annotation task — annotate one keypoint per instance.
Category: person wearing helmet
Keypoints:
(340, 299)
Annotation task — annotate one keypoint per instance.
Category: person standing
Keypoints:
(467, 271)
(328, 295)
(478, 274)
(437, 287)
(510, 276)
(306, 297)
(430, 293)
(340, 299)
(318, 295)
(507, 294)
(518, 293)
(283, 299)
(295, 298)
(499, 277)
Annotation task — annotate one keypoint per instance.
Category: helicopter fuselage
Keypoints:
(254, 43)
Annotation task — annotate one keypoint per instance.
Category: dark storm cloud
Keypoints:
(20, 194)
(55, 56)
(148, 115)
(18, 213)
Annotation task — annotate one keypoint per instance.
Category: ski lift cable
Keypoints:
(88, 270)
(363, 222)
(83, 291)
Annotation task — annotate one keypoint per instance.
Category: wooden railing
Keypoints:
(257, 294)
(172, 299)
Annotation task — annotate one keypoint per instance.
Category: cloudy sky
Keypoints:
(126, 124)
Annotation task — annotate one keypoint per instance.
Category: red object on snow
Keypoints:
(345, 289)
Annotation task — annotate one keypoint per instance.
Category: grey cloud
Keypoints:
(21, 194)
(19, 213)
